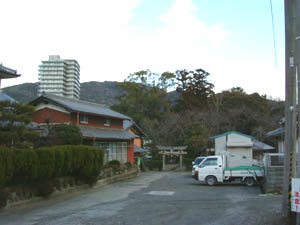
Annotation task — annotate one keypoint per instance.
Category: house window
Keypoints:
(84, 118)
(107, 122)
(114, 150)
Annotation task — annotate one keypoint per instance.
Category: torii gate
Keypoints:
(172, 150)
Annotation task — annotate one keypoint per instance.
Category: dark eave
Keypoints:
(279, 132)
(130, 124)
(6, 73)
(105, 133)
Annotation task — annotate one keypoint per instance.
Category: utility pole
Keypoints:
(297, 63)
(290, 100)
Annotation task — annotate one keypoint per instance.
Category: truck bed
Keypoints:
(242, 171)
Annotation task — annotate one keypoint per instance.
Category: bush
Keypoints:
(46, 164)
(114, 164)
(6, 165)
(80, 161)
(128, 165)
(25, 166)
(154, 164)
(38, 168)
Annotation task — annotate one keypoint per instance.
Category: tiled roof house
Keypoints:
(99, 125)
(7, 73)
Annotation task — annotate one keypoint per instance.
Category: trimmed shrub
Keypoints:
(25, 166)
(26, 163)
(6, 165)
(154, 164)
(46, 164)
(80, 161)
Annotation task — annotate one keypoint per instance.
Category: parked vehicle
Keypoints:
(196, 163)
(212, 170)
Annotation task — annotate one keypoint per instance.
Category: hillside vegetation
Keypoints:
(98, 92)
(194, 113)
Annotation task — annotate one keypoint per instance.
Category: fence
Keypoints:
(274, 168)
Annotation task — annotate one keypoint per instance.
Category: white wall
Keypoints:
(239, 139)
(243, 152)
(241, 156)
(220, 145)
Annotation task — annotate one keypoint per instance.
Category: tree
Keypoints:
(61, 134)
(144, 98)
(194, 88)
(193, 113)
(14, 118)
(252, 114)
(237, 98)
(196, 137)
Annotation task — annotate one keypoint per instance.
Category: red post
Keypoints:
(130, 152)
(77, 119)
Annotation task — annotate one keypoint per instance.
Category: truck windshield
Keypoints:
(198, 161)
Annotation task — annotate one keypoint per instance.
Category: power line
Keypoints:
(274, 41)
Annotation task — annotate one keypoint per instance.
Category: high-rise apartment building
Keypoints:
(59, 77)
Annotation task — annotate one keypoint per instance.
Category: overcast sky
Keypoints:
(110, 39)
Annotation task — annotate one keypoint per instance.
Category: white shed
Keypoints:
(241, 149)
(238, 146)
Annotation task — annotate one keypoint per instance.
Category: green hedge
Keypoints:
(24, 166)
(154, 164)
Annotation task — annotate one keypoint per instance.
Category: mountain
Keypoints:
(101, 92)
(98, 92)
(22, 92)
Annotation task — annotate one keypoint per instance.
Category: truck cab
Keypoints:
(195, 168)
(211, 170)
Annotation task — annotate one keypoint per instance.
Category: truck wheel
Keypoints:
(249, 181)
(211, 181)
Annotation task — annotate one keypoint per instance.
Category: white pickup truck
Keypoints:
(212, 170)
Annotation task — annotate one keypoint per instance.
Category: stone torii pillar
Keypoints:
(180, 162)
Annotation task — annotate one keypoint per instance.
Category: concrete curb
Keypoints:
(117, 178)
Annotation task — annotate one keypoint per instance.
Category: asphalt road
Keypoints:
(153, 198)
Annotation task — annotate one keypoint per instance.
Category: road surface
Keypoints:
(153, 198)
